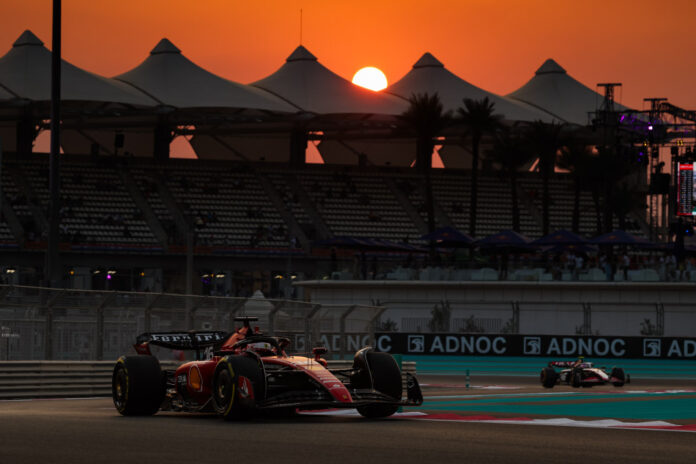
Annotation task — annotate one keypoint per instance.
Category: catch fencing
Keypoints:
(65, 324)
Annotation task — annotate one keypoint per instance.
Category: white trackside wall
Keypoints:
(553, 308)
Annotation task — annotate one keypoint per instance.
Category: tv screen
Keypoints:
(686, 201)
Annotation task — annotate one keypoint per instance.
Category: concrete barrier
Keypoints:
(76, 379)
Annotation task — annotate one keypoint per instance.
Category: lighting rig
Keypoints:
(643, 134)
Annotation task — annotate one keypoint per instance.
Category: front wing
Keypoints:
(361, 397)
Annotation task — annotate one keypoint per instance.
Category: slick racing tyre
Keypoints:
(548, 377)
(619, 375)
(137, 385)
(238, 383)
(386, 379)
(576, 378)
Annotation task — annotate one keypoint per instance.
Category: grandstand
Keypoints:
(249, 210)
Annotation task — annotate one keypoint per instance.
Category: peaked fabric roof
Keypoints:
(429, 75)
(25, 72)
(174, 80)
(310, 86)
(556, 92)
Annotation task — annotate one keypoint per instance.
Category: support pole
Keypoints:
(148, 313)
(51, 277)
(235, 309)
(308, 327)
(48, 336)
(277, 305)
(373, 321)
(100, 325)
(343, 339)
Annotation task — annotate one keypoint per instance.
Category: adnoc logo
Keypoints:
(652, 347)
(532, 345)
(416, 344)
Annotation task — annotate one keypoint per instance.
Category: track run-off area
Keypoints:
(500, 413)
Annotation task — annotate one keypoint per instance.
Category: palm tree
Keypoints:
(478, 119)
(623, 201)
(426, 119)
(546, 139)
(512, 154)
(577, 158)
(614, 167)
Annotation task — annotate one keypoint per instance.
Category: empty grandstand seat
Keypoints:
(485, 273)
(594, 274)
(643, 275)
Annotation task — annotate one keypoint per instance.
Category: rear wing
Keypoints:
(561, 363)
(194, 340)
(569, 364)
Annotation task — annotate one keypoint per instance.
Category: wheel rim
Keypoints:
(120, 389)
(223, 389)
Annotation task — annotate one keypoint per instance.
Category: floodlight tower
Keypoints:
(608, 103)
(607, 114)
(659, 197)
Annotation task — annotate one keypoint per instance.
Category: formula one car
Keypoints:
(237, 375)
(581, 374)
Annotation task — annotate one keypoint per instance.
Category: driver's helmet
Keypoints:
(263, 348)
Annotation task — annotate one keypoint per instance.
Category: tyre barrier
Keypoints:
(76, 379)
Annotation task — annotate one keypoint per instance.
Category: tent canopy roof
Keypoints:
(310, 86)
(554, 90)
(25, 72)
(550, 67)
(429, 75)
(174, 80)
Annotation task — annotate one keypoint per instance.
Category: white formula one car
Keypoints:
(581, 374)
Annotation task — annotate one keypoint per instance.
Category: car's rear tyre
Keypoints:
(237, 384)
(386, 379)
(548, 377)
(618, 374)
(137, 385)
(576, 378)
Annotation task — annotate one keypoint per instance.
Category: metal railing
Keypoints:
(63, 324)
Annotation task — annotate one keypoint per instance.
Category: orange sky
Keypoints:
(647, 45)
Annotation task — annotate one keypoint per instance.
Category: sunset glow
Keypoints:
(499, 51)
(370, 78)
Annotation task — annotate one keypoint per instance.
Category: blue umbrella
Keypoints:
(366, 244)
(560, 237)
(448, 237)
(504, 239)
(579, 248)
(620, 237)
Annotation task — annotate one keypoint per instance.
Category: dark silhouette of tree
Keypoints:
(426, 119)
(614, 164)
(479, 119)
(576, 157)
(546, 140)
(625, 200)
(510, 151)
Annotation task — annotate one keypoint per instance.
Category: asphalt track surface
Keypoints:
(90, 431)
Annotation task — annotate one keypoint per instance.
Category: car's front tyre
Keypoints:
(385, 374)
(237, 384)
(548, 377)
(618, 374)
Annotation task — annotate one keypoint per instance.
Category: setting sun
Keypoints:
(370, 78)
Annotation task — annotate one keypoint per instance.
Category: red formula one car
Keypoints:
(239, 374)
(581, 374)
